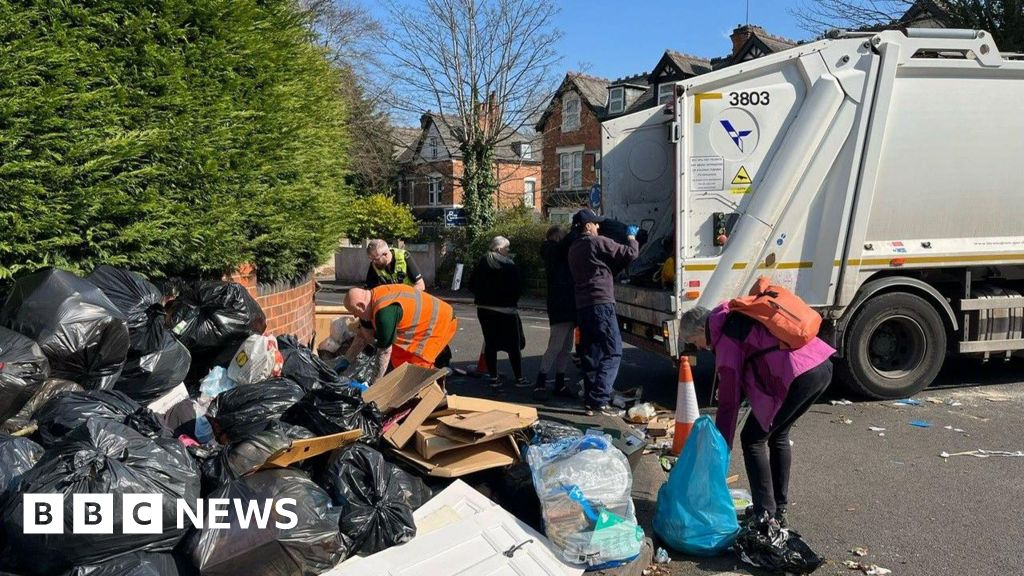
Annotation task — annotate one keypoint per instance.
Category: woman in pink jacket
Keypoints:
(780, 385)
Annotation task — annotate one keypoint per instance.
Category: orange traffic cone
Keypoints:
(686, 406)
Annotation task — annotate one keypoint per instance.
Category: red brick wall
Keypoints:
(588, 135)
(512, 183)
(510, 176)
(290, 307)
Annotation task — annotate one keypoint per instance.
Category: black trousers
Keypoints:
(767, 454)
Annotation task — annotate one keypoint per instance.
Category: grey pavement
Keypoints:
(915, 512)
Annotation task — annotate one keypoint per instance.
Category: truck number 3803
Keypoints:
(749, 99)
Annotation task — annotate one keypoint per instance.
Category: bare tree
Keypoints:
(818, 16)
(1003, 18)
(486, 66)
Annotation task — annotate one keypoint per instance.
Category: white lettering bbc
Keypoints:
(143, 514)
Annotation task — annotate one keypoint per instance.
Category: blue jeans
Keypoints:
(601, 346)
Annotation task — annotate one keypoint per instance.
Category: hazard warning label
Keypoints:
(741, 177)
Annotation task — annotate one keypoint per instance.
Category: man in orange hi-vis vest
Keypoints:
(407, 325)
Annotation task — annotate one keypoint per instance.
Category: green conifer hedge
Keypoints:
(174, 137)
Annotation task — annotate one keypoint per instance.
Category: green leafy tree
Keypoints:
(175, 137)
(379, 216)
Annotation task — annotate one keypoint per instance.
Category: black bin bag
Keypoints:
(212, 319)
(245, 409)
(81, 332)
(247, 453)
(377, 498)
(138, 564)
(100, 457)
(50, 389)
(67, 411)
(762, 543)
(332, 410)
(311, 547)
(156, 361)
(303, 366)
(17, 456)
(23, 370)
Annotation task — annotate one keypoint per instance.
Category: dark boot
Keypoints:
(561, 389)
(540, 387)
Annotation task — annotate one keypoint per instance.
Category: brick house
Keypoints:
(571, 124)
(429, 170)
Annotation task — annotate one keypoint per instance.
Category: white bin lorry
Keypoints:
(879, 176)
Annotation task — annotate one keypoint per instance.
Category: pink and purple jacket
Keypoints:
(765, 380)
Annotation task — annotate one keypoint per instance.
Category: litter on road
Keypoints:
(921, 424)
(984, 453)
(907, 402)
(843, 402)
(868, 569)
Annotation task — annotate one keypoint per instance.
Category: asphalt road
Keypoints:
(916, 512)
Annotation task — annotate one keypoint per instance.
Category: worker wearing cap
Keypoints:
(406, 325)
(391, 266)
(594, 260)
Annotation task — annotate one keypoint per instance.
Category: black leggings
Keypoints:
(768, 455)
(515, 358)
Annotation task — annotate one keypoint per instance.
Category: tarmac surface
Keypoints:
(887, 491)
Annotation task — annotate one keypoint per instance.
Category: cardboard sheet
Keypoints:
(471, 404)
(476, 426)
(429, 399)
(308, 448)
(401, 385)
(452, 464)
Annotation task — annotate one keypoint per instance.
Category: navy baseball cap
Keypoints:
(586, 215)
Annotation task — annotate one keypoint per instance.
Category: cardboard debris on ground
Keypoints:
(401, 385)
(475, 427)
(660, 427)
(427, 402)
(429, 443)
(471, 404)
(461, 461)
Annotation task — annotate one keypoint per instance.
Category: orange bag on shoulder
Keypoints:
(783, 313)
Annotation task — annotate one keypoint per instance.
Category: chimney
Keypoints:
(489, 113)
(425, 120)
(740, 36)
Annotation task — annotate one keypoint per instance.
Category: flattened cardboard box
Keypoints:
(401, 385)
(470, 404)
(429, 399)
(492, 454)
(429, 443)
(478, 426)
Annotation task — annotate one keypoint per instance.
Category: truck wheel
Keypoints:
(895, 347)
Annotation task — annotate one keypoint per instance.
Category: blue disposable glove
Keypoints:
(341, 365)
(632, 230)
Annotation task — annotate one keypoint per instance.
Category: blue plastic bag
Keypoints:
(695, 513)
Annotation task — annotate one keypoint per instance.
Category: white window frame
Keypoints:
(400, 186)
(529, 192)
(432, 144)
(526, 150)
(570, 119)
(616, 100)
(666, 92)
(434, 190)
(570, 168)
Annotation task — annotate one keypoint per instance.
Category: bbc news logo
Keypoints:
(143, 514)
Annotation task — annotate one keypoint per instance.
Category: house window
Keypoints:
(398, 188)
(433, 148)
(665, 93)
(434, 191)
(570, 112)
(526, 150)
(616, 100)
(570, 167)
(529, 190)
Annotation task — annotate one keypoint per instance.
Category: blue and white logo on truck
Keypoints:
(736, 135)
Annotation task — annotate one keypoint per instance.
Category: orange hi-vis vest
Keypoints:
(428, 324)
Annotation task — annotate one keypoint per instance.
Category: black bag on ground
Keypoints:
(156, 361)
(100, 457)
(81, 332)
(17, 456)
(376, 498)
(138, 564)
(23, 370)
(548, 431)
(67, 411)
(212, 319)
(48, 391)
(332, 410)
(313, 546)
(245, 409)
(763, 544)
(303, 366)
(243, 456)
